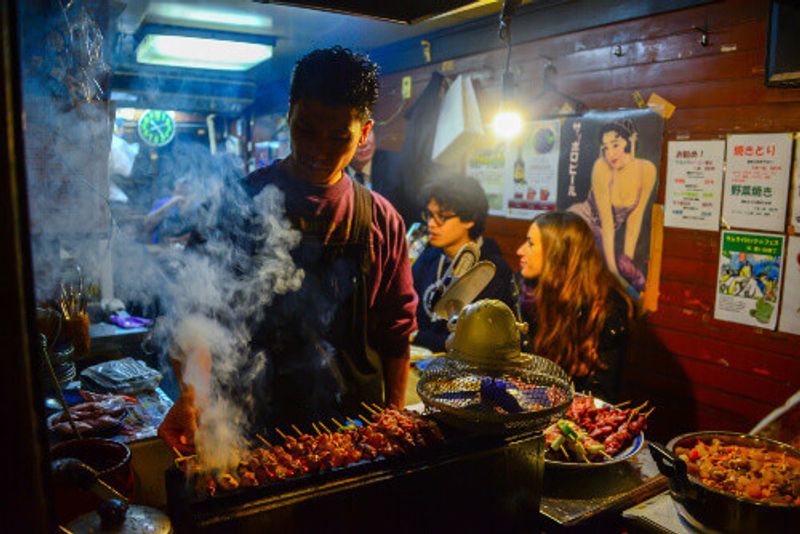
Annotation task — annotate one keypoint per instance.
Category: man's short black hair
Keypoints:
(464, 196)
(336, 76)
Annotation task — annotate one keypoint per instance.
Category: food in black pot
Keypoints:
(732, 482)
(753, 472)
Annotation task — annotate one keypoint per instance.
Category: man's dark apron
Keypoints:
(318, 365)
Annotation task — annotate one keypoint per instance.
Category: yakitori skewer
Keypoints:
(299, 432)
(636, 411)
(364, 419)
(377, 407)
(369, 408)
(280, 433)
(337, 423)
(316, 428)
(181, 457)
(325, 428)
(263, 440)
(621, 404)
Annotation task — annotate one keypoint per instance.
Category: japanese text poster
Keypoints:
(757, 181)
(790, 309)
(488, 166)
(749, 278)
(532, 170)
(794, 219)
(694, 184)
(609, 176)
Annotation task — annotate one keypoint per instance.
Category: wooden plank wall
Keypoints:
(700, 373)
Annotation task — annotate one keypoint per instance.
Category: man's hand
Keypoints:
(395, 371)
(178, 428)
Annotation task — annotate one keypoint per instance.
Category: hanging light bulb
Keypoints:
(507, 123)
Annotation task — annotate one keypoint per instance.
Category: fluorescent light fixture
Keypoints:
(235, 17)
(507, 124)
(201, 53)
(121, 96)
(128, 114)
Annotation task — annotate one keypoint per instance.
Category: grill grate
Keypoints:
(452, 392)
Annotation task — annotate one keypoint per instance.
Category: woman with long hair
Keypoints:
(578, 312)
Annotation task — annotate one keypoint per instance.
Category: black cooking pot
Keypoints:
(709, 509)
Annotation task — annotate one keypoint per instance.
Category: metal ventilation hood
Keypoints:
(404, 11)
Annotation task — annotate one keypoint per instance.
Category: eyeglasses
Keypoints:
(438, 218)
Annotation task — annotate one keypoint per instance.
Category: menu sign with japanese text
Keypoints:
(757, 181)
(488, 166)
(794, 218)
(749, 278)
(790, 309)
(694, 184)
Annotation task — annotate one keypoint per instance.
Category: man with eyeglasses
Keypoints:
(456, 215)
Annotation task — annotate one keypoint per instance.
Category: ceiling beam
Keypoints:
(532, 22)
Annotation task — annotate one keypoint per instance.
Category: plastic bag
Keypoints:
(121, 376)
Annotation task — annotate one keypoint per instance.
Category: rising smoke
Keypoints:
(207, 312)
(212, 311)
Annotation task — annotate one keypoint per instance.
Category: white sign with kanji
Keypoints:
(757, 181)
(794, 218)
(694, 184)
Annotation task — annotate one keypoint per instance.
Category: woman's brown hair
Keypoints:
(571, 294)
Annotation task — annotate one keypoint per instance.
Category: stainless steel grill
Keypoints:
(459, 395)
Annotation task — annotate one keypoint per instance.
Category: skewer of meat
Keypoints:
(392, 432)
(369, 408)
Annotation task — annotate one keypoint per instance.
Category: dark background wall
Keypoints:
(698, 372)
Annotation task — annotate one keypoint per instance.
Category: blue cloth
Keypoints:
(432, 335)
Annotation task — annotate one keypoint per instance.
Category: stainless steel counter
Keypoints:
(577, 495)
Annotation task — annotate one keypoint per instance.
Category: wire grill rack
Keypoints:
(451, 391)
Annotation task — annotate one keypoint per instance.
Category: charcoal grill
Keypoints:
(470, 482)
(451, 391)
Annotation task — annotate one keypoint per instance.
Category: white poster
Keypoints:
(694, 184)
(790, 309)
(757, 181)
(794, 219)
(532, 171)
(488, 166)
(749, 278)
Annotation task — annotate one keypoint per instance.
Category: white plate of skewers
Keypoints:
(569, 445)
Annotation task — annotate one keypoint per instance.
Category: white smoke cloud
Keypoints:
(207, 310)
(206, 307)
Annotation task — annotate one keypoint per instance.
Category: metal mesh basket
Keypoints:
(452, 392)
